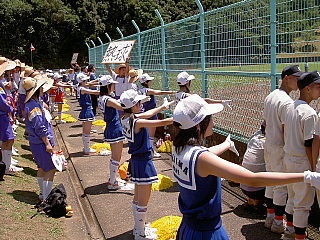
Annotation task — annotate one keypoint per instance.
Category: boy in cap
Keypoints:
(275, 109)
(298, 137)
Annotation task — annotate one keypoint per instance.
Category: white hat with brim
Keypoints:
(134, 75)
(145, 77)
(130, 98)
(183, 78)
(106, 80)
(82, 77)
(3, 65)
(31, 86)
(190, 111)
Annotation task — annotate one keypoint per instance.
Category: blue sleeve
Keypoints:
(4, 106)
(39, 127)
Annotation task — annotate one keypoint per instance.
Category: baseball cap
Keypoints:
(192, 110)
(82, 77)
(308, 78)
(291, 70)
(183, 78)
(145, 77)
(106, 80)
(130, 98)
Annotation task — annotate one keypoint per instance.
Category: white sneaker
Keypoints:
(13, 169)
(156, 154)
(93, 131)
(91, 150)
(61, 121)
(288, 235)
(115, 186)
(143, 235)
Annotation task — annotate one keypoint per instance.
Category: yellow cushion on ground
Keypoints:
(66, 117)
(99, 122)
(164, 183)
(167, 227)
(99, 147)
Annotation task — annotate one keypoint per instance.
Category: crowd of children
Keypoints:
(288, 142)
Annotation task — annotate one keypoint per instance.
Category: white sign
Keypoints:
(117, 52)
(74, 58)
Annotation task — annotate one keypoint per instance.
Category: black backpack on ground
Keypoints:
(55, 204)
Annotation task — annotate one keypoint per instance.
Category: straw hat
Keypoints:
(31, 85)
(28, 71)
(11, 65)
(49, 81)
(122, 65)
(71, 70)
(3, 64)
(134, 75)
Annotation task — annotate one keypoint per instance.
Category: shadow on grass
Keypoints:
(25, 196)
(30, 171)
(27, 156)
(25, 147)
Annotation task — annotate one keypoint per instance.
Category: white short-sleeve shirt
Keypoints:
(275, 110)
(299, 126)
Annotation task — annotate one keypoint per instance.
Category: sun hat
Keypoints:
(57, 76)
(82, 77)
(130, 98)
(71, 70)
(122, 65)
(145, 77)
(106, 80)
(48, 81)
(192, 110)
(307, 78)
(291, 70)
(183, 78)
(11, 65)
(31, 86)
(3, 64)
(134, 75)
(29, 71)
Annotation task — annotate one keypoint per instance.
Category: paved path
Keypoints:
(107, 214)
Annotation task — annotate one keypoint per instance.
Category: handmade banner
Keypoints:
(117, 52)
(74, 58)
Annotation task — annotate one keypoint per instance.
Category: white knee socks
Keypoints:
(140, 219)
(86, 142)
(6, 157)
(47, 186)
(114, 165)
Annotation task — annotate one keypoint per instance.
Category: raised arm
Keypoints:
(210, 164)
(159, 92)
(114, 103)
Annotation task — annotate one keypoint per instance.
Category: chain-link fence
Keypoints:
(236, 52)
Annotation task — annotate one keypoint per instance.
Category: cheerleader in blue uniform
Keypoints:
(141, 169)
(113, 132)
(146, 82)
(86, 115)
(198, 171)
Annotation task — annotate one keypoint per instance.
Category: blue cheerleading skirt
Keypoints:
(86, 115)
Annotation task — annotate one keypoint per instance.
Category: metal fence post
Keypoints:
(273, 42)
(107, 35)
(95, 52)
(139, 42)
(202, 51)
(163, 50)
(119, 31)
(89, 50)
